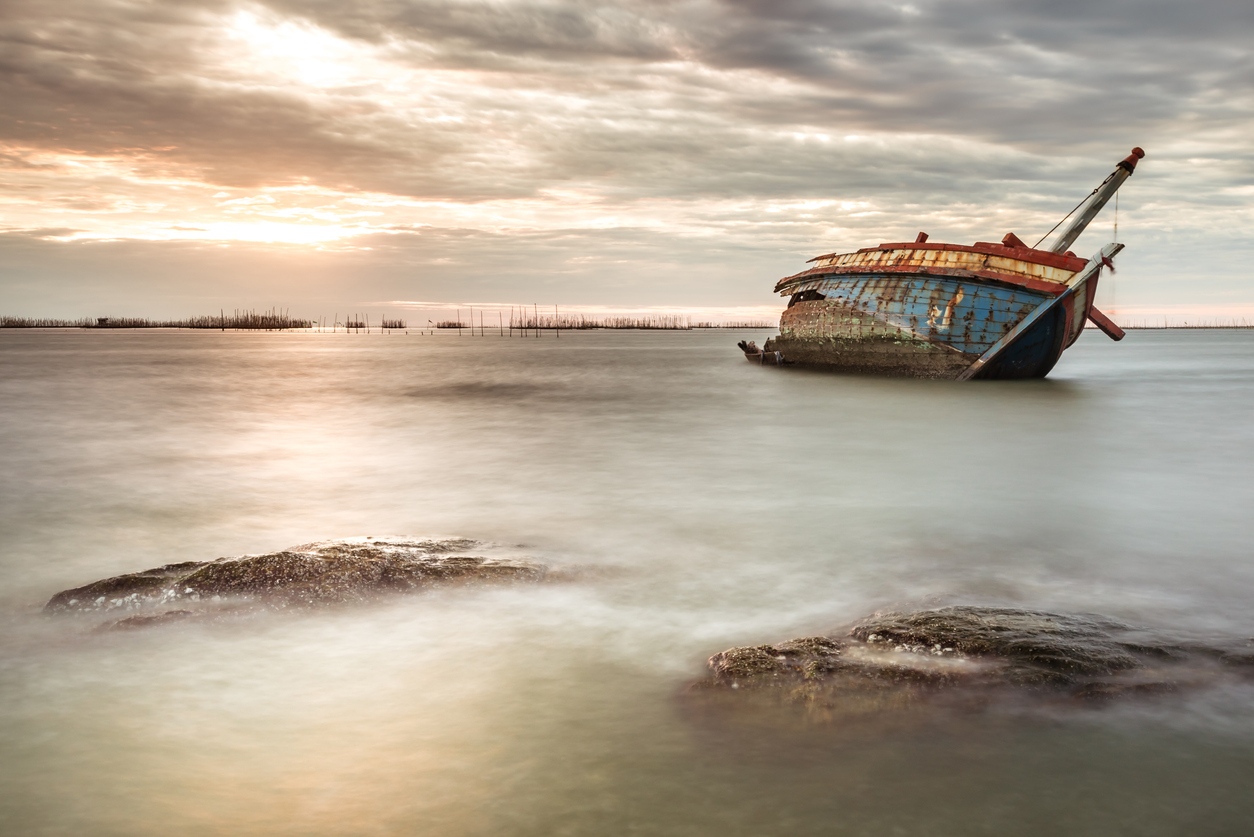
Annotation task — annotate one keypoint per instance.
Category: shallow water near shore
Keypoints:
(741, 504)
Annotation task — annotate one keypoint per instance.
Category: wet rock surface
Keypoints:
(315, 574)
(963, 657)
(132, 623)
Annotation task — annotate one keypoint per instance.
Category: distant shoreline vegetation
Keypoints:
(281, 321)
(518, 321)
(273, 320)
(662, 322)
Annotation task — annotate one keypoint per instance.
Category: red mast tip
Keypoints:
(1129, 162)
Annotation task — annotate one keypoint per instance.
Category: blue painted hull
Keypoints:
(917, 325)
(931, 309)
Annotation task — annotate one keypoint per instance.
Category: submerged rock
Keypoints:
(322, 573)
(1035, 646)
(957, 656)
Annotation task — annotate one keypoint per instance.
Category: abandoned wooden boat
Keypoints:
(923, 309)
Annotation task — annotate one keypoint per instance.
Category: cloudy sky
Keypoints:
(171, 158)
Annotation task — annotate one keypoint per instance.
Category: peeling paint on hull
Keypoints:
(930, 311)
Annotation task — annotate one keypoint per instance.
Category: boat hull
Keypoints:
(897, 311)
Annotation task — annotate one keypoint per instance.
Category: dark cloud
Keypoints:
(94, 80)
(476, 31)
(971, 117)
(1026, 73)
(632, 96)
(1032, 74)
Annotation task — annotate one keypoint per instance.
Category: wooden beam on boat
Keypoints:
(1106, 324)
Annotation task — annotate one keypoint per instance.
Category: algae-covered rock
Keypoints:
(786, 658)
(1069, 644)
(956, 656)
(129, 588)
(326, 572)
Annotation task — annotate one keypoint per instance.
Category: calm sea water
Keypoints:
(744, 505)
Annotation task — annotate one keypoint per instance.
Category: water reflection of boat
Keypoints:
(923, 309)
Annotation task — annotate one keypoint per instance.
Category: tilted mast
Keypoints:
(1087, 211)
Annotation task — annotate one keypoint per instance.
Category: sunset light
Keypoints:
(610, 137)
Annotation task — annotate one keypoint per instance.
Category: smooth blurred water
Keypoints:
(745, 505)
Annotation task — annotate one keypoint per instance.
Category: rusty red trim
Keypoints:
(1051, 288)
(984, 248)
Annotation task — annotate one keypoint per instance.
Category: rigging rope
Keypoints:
(1072, 212)
(1114, 307)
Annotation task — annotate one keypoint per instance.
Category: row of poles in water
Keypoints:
(523, 325)
(532, 324)
(517, 322)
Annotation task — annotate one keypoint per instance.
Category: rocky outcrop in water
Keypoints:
(961, 656)
(323, 573)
